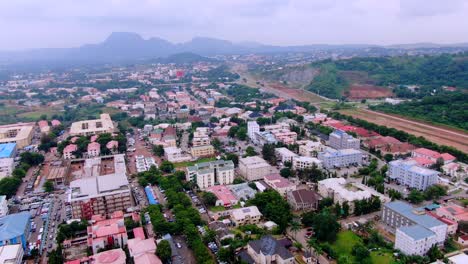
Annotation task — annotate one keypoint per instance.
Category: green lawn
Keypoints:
(345, 242)
(379, 257)
(191, 163)
(217, 208)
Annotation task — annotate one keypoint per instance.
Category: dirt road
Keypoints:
(436, 134)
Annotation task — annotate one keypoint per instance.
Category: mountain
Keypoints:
(184, 57)
(127, 46)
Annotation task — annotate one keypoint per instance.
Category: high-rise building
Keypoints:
(341, 140)
(252, 128)
(408, 173)
(207, 174)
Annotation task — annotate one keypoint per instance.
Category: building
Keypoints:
(303, 200)
(3, 205)
(408, 173)
(453, 212)
(339, 139)
(242, 191)
(265, 137)
(99, 192)
(284, 155)
(93, 127)
(302, 162)
(7, 150)
(207, 174)
(107, 233)
(285, 136)
(69, 150)
(202, 151)
(20, 133)
(414, 240)
(254, 168)
(94, 149)
(58, 173)
(44, 126)
(311, 149)
(143, 250)
(458, 259)
(245, 216)
(341, 192)
(332, 158)
(14, 229)
(267, 250)
(400, 214)
(225, 196)
(175, 155)
(433, 156)
(252, 129)
(7, 165)
(279, 184)
(11, 254)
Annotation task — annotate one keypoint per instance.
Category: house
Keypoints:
(142, 250)
(303, 200)
(268, 250)
(225, 197)
(68, 151)
(279, 184)
(107, 233)
(453, 212)
(432, 155)
(112, 145)
(245, 215)
(284, 155)
(94, 149)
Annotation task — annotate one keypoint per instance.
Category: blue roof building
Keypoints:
(14, 229)
(7, 150)
(150, 195)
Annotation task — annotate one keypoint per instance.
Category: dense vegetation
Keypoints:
(450, 109)
(328, 82)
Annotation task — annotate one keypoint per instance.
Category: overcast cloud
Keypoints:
(62, 23)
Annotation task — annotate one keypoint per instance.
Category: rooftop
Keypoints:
(416, 232)
(7, 149)
(407, 211)
(13, 225)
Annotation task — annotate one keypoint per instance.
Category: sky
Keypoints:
(27, 24)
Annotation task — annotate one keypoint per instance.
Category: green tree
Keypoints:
(18, 173)
(286, 172)
(250, 151)
(325, 226)
(268, 153)
(273, 207)
(233, 157)
(209, 198)
(226, 254)
(295, 227)
(434, 253)
(388, 157)
(345, 208)
(360, 252)
(48, 186)
(434, 192)
(164, 251)
(415, 197)
(158, 150)
(166, 166)
(9, 186)
(394, 194)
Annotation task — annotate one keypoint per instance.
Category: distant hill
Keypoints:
(185, 57)
(127, 46)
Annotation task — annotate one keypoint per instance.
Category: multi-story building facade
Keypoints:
(279, 184)
(252, 129)
(301, 162)
(11, 254)
(254, 168)
(341, 140)
(311, 149)
(207, 174)
(69, 150)
(93, 127)
(7, 165)
(15, 229)
(303, 200)
(3, 205)
(20, 133)
(408, 173)
(245, 216)
(340, 158)
(94, 149)
(284, 155)
(336, 188)
(414, 240)
(174, 154)
(107, 232)
(202, 151)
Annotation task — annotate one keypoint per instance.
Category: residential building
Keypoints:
(20, 133)
(453, 212)
(339, 139)
(408, 173)
(104, 233)
(303, 200)
(433, 156)
(332, 158)
(302, 162)
(242, 191)
(414, 240)
(460, 258)
(225, 196)
(284, 155)
(44, 126)
(207, 174)
(7, 165)
(254, 168)
(221, 229)
(143, 250)
(11, 254)
(279, 184)
(285, 136)
(252, 129)
(3, 205)
(245, 216)
(202, 151)
(267, 250)
(265, 137)
(400, 214)
(341, 192)
(311, 149)
(7, 150)
(175, 155)
(69, 150)
(99, 192)
(14, 229)
(94, 149)
(93, 127)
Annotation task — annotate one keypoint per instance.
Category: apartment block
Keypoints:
(284, 155)
(7, 166)
(174, 154)
(301, 162)
(341, 140)
(20, 133)
(207, 174)
(341, 192)
(202, 151)
(11, 254)
(279, 184)
(254, 168)
(246, 216)
(93, 127)
(311, 149)
(332, 158)
(414, 240)
(252, 129)
(408, 173)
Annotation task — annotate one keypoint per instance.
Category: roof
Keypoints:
(416, 232)
(276, 181)
(114, 256)
(147, 258)
(139, 233)
(461, 258)
(240, 213)
(13, 225)
(305, 196)
(137, 246)
(9, 252)
(269, 246)
(223, 193)
(7, 149)
(407, 211)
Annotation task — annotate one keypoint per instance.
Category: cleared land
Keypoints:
(366, 91)
(436, 134)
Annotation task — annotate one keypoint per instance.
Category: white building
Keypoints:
(414, 240)
(254, 168)
(340, 192)
(3, 205)
(408, 173)
(7, 165)
(252, 129)
(246, 215)
(284, 155)
(311, 149)
(11, 254)
(207, 174)
(340, 158)
(300, 162)
(90, 127)
(175, 154)
(341, 140)
(279, 184)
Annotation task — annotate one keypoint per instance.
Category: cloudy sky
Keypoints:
(28, 24)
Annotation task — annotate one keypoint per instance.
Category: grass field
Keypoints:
(379, 257)
(191, 163)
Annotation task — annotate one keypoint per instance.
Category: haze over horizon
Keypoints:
(28, 24)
